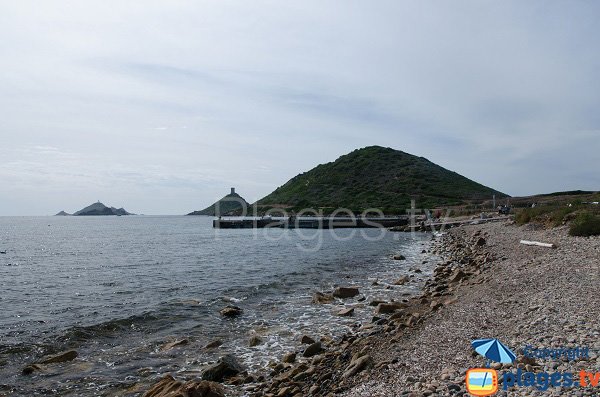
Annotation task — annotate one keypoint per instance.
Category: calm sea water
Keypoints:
(117, 288)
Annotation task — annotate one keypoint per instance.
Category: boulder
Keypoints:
(226, 367)
(399, 257)
(313, 349)
(480, 242)
(345, 292)
(231, 311)
(169, 387)
(346, 312)
(255, 341)
(320, 297)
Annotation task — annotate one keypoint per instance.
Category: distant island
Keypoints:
(228, 205)
(97, 209)
(377, 177)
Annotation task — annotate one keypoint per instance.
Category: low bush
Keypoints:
(585, 224)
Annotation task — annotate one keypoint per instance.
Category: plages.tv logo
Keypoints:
(484, 381)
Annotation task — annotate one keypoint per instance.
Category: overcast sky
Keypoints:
(162, 106)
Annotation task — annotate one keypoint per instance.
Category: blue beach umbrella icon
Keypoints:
(494, 350)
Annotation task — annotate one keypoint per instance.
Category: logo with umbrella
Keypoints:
(484, 381)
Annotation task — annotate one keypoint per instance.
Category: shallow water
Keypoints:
(117, 288)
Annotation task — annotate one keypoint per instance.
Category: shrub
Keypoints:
(586, 224)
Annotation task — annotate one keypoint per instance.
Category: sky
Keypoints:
(161, 106)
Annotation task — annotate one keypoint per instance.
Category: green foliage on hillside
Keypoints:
(228, 205)
(377, 177)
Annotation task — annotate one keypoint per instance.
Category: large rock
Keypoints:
(402, 280)
(399, 257)
(345, 292)
(169, 387)
(226, 367)
(231, 311)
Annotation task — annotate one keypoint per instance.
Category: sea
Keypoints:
(117, 289)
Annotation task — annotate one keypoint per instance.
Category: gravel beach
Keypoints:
(525, 295)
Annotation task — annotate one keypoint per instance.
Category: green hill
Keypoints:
(228, 205)
(377, 177)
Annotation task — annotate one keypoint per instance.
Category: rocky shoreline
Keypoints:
(485, 286)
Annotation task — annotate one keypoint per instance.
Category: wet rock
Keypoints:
(399, 257)
(231, 311)
(169, 387)
(31, 368)
(313, 349)
(171, 345)
(322, 298)
(346, 312)
(357, 365)
(226, 367)
(69, 355)
(255, 341)
(289, 358)
(386, 308)
(402, 280)
(214, 344)
(345, 292)
(307, 340)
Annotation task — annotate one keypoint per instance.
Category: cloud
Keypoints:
(143, 102)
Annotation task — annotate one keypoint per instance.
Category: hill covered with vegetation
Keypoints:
(377, 177)
(231, 204)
